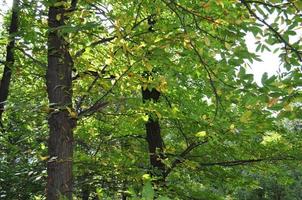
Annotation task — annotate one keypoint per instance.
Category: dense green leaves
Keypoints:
(225, 136)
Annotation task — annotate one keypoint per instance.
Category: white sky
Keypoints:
(270, 62)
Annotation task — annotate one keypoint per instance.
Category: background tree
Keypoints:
(9, 60)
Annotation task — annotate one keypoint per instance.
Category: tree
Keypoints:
(61, 122)
(9, 61)
(156, 93)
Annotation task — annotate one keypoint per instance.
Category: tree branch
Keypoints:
(93, 44)
(181, 156)
(278, 35)
(42, 64)
(278, 6)
(82, 98)
(242, 162)
(99, 103)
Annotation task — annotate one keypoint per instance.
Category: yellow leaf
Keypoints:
(232, 127)
(271, 137)
(246, 116)
(219, 2)
(201, 134)
(238, 21)
(145, 118)
(162, 86)
(45, 109)
(72, 113)
(146, 177)
(105, 84)
(130, 74)
(44, 158)
(288, 107)
(148, 66)
(207, 41)
(58, 17)
(206, 6)
(227, 45)
(187, 43)
(108, 61)
(191, 164)
(272, 102)
(175, 110)
(158, 114)
(145, 86)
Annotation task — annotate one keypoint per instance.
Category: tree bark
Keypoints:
(10, 59)
(59, 89)
(154, 139)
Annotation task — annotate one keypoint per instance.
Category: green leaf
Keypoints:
(264, 78)
(148, 192)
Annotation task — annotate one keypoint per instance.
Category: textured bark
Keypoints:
(154, 139)
(59, 89)
(9, 62)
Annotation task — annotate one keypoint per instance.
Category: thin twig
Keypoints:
(93, 44)
(42, 64)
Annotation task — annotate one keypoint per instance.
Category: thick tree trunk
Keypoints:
(59, 89)
(9, 62)
(154, 139)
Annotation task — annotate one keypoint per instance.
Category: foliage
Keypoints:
(223, 133)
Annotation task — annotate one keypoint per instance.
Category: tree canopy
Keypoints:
(142, 99)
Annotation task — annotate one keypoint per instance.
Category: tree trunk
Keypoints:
(154, 139)
(59, 89)
(85, 193)
(9, 62)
